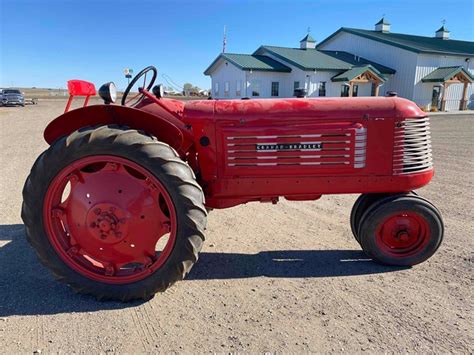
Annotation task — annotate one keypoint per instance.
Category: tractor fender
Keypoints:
(169, 130)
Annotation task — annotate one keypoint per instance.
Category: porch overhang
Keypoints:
(449, 75)
(364, 74)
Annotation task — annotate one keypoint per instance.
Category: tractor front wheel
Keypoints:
(401, 230)
(114, 213)
(361, 205)
(363, 202)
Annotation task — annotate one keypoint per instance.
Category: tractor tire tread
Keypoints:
(402, 202)
(158, 157)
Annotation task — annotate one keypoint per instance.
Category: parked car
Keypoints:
(12, 97)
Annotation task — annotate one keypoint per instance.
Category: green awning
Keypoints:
(443, 74)
(353, 73)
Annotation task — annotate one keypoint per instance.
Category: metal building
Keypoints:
(435, 72)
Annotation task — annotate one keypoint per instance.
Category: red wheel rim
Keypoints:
(110, 219)
(403, 234)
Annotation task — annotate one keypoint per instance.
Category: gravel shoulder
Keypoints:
(284, 278)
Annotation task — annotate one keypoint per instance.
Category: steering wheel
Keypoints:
(133, 101)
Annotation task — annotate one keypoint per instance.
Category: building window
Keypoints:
(216, 89)
(255, 87)
(322, 88)
(238, 87)
(275, 88)
(226, 88)
(344, 90)
(296, 85)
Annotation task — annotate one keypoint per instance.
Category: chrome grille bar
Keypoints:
(412, 146)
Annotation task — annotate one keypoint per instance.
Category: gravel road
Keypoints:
(284, 278)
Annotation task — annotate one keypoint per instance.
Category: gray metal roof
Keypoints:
(383, 21)
(418, 44)
(313, 59)
(305, 59)
(358, 61)
(356, 71)
(250, 62)
(308, 38)
(442, 74)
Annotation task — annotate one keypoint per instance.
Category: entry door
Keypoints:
(435, 96)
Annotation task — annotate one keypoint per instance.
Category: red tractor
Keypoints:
(116, 207)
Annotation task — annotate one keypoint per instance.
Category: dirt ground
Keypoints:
(284, 278)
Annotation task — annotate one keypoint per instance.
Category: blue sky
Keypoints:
(45, 43)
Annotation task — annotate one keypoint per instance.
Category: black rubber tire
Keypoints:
(374, 216)
(360, 206)
(157, 157)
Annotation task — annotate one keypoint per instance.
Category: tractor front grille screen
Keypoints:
(412, 146)
(360, 147)
(340, 148)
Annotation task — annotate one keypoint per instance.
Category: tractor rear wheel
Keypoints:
(114, 213)
(401, 230)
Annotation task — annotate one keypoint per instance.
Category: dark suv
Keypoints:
(11, 97)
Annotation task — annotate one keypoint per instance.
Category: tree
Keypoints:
(187, 87)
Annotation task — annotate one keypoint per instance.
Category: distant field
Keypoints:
(44, 93)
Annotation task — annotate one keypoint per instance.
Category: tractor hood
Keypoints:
(350, 108)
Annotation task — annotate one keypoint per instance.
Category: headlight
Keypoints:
(108, 92)
(159, 91)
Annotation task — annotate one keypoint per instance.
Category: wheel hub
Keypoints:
(107, 223)
(402, 233)
(402, 236)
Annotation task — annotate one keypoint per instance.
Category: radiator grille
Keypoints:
(412, 146)
(324, 150)
(360, 147)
